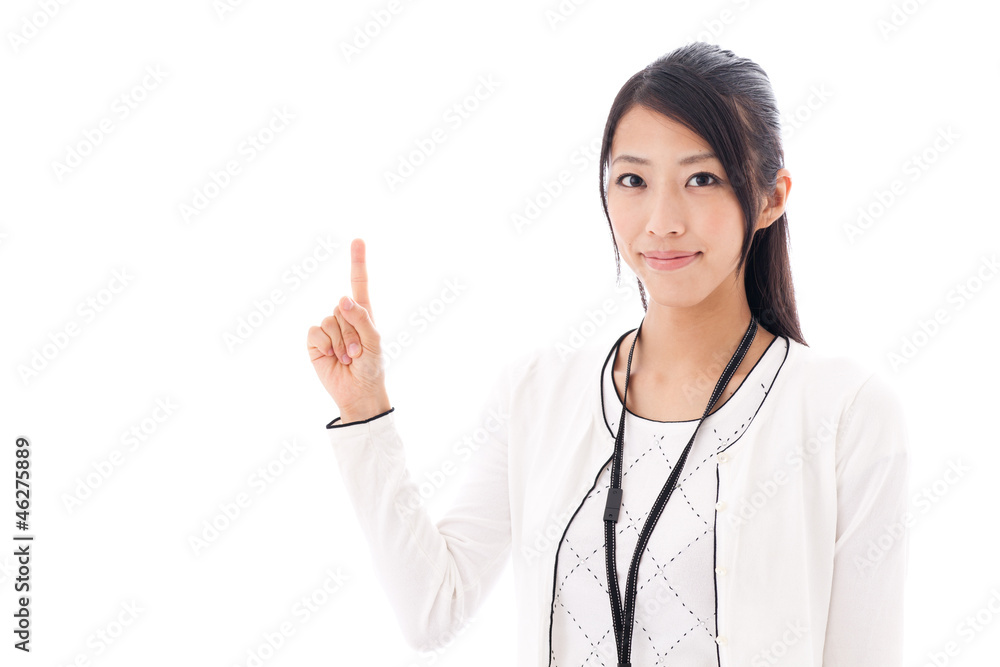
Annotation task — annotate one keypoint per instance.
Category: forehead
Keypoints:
(641, 128)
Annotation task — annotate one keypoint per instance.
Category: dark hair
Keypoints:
(728, 102)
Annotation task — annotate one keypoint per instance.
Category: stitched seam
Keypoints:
(847, 418)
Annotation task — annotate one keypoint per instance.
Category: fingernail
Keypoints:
(346, 359)
(353, 349)
(349, 304)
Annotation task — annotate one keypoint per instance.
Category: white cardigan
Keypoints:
(808, 528)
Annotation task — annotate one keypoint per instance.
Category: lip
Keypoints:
(669, 254)
(672, 264)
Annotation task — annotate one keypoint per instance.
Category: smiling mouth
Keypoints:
(670, 264)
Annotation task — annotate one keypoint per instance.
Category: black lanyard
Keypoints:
(624, 617)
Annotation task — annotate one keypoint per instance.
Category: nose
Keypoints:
(668, 213)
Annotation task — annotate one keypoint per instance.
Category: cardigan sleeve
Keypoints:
(435, 575)
(865, 620)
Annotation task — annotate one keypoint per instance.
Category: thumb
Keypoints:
(359, 318)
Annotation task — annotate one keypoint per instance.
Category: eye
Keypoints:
(705, 174)
(623, 177)
(702, 175)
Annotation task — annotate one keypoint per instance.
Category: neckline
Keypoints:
(736, 397)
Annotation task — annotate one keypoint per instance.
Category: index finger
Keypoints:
(359, 276)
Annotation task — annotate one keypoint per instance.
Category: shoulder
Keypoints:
(563, 367)
(830, 372)
(862, 396)
(830, 377)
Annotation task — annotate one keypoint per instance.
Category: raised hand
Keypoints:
(345, 349)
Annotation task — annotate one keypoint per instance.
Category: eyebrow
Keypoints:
(690, 159)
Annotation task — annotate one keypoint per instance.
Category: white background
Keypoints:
(322, 176)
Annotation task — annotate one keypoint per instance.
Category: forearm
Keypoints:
(435, 574)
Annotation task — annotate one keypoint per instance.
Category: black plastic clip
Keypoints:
(613, 505)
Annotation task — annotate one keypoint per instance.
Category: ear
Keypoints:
(775, 203)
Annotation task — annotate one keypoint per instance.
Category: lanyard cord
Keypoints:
(623, 618)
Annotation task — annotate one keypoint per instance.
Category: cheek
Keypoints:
(624, 219)
(615, 211)
(722, 214)
(723, 227)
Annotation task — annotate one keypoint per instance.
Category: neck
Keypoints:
(680, 342)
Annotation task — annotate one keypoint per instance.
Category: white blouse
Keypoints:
(675, 596)
(809, 539)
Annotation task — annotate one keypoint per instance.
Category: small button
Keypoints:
(721, 571)
(720, 640)
(721, 505)
(723, 457)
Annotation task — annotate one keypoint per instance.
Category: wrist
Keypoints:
(366, 410)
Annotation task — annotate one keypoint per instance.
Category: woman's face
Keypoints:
(666, 193)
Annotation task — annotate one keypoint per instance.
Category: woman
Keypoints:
(710, 522)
